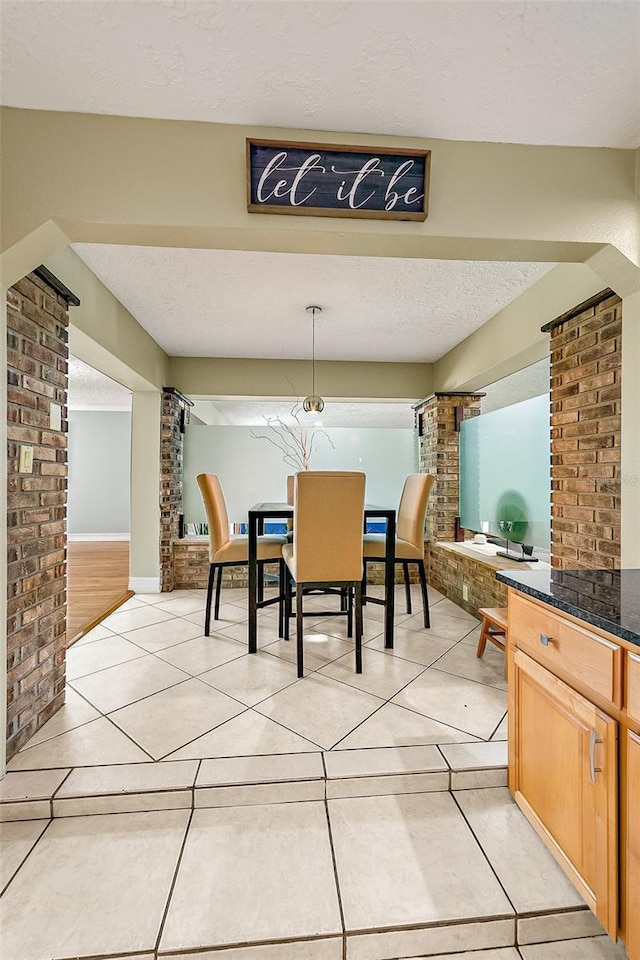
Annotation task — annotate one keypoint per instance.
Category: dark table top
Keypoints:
(608, 599)
(282, 509)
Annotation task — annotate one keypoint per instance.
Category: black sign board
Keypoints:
(331, 180)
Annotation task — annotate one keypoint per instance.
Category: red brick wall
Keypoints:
(37, 355)
(174, 411)
(448, 571)
(586, 360)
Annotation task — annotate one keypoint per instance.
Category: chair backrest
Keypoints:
(291, 481)
(328, 522)
(413, 508)
(216, 510)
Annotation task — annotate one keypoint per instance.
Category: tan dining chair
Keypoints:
(228, 551)
(327, 545)
(409, 546)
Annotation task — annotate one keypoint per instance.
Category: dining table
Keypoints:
(261, 512)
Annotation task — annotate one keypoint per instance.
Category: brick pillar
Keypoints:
(175, 416)
(586, 429)
(438, 451)
(37, 319)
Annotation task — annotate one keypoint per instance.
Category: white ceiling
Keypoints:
(249, 413)
(228, 303)
(91, 390)
(563, 72)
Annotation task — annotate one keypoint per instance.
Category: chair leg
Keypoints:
(207, 614)
(344, 603)
(364, 582)
(260, 582)
(299, 625)
(281, 590)
(358, 603)
(216, 615)
(349, 612)
(287, 604)
(407, 585)
(425, 593)
(482, 640)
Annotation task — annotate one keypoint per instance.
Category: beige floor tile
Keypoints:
(202, 654)
(267, 631)
(381, 786)
(81, 661)
(131, 604)
(62, 904)
(158, 636)
(98, 741)
(229, 613)
(153, 598)
(425, 941)
(476, 779)
(168, 720)
(181, 606)
(375, 611)
(128, 778)
(127, 682)
(394, 726)
(475, 756)
(16, 840)
(383, 676)
(133, 619)
(423, 647)
(592, 948)
(99, 632)
(246, 735)
(500, 953)
(501, 730)
(236, 878)
(569, 925)
(73, 713)
(526, 869)
(278, 767)
(450, 628)
(320, 709)
(252, 678)
(473, 637)
(463, 704)
(462, 661)
(422, 841)
(324, 948)
(30, 785)
(319, 650)
(450, 609)
(383, 761)
(338, 627)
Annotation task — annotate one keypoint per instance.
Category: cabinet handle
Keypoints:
(593, 739)
(545, 640)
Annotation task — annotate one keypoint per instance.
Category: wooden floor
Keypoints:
(97, 582)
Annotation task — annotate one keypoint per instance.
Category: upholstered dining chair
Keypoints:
(326, 501)
(409, 547)
(228, 551)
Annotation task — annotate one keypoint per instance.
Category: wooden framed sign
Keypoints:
(333, 180)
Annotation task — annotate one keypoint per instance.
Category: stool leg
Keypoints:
(299, 640)
(482, 642)
(407, 585)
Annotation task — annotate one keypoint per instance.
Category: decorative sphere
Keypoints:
(313, 404)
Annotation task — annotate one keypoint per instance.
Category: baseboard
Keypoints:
(144, 584)
(99, 537)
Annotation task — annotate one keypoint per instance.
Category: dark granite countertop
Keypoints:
(608, 599)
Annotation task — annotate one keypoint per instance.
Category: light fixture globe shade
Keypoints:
(313, 404)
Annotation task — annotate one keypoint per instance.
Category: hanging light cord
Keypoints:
(313, 351)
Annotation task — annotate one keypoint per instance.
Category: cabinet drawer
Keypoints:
(557, 643)
(633, 686)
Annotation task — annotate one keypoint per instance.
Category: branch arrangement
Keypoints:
(296, 441)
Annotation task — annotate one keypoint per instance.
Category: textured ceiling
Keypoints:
(228, 303)
(531, 381)
(248, 413)
(91, 390)
(563, 72)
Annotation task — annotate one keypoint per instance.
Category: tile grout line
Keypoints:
(25, 858)
(172, 885)
(335, 872)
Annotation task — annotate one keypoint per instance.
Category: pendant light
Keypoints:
(313, 403)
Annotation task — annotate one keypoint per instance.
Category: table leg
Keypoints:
(389, 578)
(253, 582)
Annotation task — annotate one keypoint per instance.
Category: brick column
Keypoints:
(586, 430)
(175, 416)
(37, 353)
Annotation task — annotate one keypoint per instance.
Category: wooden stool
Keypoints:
(494, 626)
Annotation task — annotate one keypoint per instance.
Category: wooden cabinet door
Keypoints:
(632, 794)
(563, 775)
